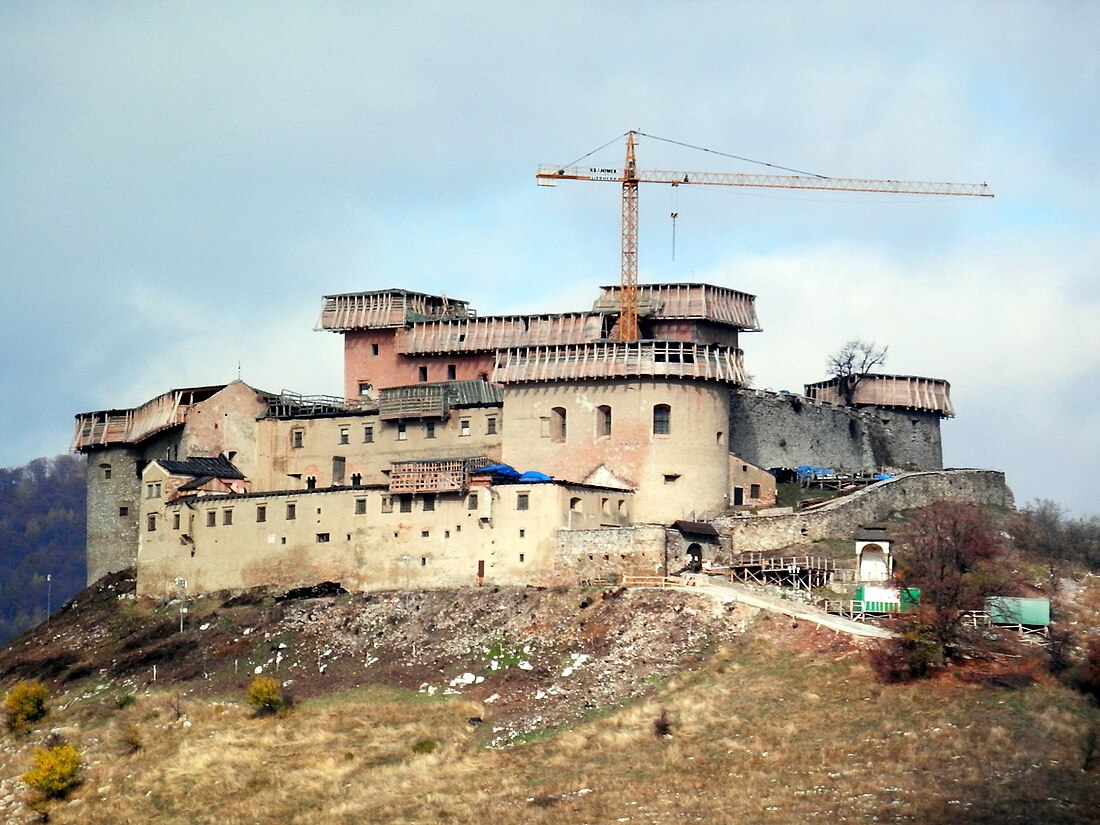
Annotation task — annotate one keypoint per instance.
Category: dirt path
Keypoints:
(723, 590)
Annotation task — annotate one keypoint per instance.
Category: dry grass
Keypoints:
(763, 734)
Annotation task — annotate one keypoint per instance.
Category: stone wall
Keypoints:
(114, 489)
(611, 552)
(774, 430)
(759, 533)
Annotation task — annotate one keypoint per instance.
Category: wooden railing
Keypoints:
(655, 581)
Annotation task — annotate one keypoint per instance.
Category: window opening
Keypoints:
(291, 511)
(211, 518)
(297, 438)
(522, 501)
(662, 419)
(227, 517)
(345, 433)
(261, 513)
(360, 506)
(368, 434)
(557, 424)
(603, 420)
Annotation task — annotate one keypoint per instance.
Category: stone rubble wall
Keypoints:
(843, 517)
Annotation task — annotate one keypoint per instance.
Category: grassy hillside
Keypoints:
(610, 706)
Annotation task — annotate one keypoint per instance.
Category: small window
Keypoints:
(368, 434)
(106, 468)
(374, 349)
(471, 501)
(575, 504)
(424, 534)
(522, 533)
(405, 503)
(463, 426)
(360, 506)
(451, 372)
(544, 426)
(521, 558)
(123, 512)
(423, 561)
(345, 434)
(322, 538)
(557, 424)
(523, 501)
(491, 425)
(151, 523)
(605, 506)
(211, 518)
(387, 504)
(261, 513)
(297, 438)
(291, 511)
(227, 517)
(754, 491)
(365, 387)
(429, 502)
(153, 490)
(603, 421)
(402, 431)
(422, 374)
(662, 419)
(671, 478)
(429, 429)
(175, 521)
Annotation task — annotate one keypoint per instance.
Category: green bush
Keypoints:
(25, 703)
(124, 700)
(425, 746)
(266, 695)
(54, 770)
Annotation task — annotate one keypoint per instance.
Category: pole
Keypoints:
(49, 594)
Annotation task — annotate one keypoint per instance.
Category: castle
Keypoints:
(514, 449)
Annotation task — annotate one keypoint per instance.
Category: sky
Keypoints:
(181, 183)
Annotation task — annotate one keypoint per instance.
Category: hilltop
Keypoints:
(550, 705)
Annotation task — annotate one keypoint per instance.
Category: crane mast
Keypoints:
(630, 176)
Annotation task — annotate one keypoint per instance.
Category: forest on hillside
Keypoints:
(42, 518)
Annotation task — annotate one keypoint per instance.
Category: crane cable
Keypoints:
(727, 155)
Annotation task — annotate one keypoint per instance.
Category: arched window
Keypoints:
(106, 468)
(662, 419)
(603, 421)
(557, 424)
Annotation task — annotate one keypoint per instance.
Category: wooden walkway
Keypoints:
(794, 572)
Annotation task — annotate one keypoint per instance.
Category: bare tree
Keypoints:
(848, 365)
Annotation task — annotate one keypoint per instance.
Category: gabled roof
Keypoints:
(219, 467)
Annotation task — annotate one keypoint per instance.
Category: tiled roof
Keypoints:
(219, 467)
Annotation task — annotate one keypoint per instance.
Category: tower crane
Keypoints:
(630, 176)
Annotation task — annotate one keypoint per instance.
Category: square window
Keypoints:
(522, 501)
(463, 426)
(424, 534)
(227, 517)
(368, 434)
(360, 506)
(261, 513)
(345, 433)
(123, 512)
(291, 511)
(754, 491)
(211, 518)
(364, 387)
(429, 502)
(322, 538)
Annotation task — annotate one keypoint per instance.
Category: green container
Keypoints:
(1013, 610)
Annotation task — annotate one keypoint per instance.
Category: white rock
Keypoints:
(259, 669)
